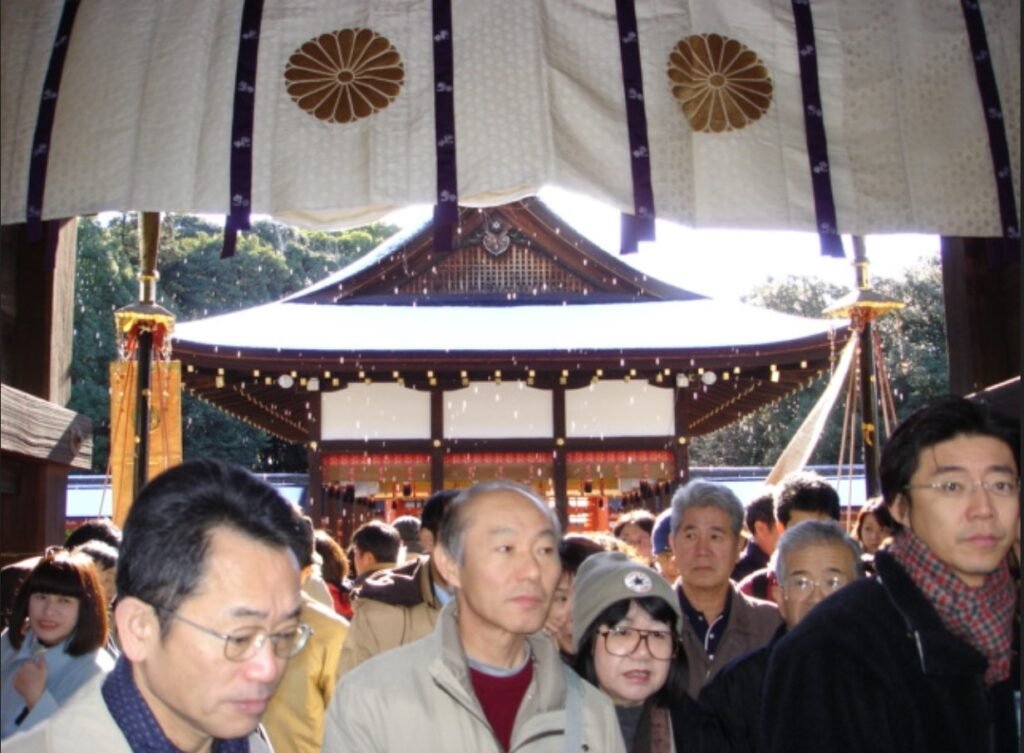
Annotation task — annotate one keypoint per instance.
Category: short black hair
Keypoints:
(573, 548)
(433, 510)
(95, 529)
(805, 491)
(170, 524)
(379, 538)
(642, 519)
(101, 553)
(939, 421)
(760, 510)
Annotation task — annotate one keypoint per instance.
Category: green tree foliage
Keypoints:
(272, 261)
(913, 343)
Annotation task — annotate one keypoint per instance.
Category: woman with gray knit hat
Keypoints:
(625, 633)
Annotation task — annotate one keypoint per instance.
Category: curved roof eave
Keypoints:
(654, 325)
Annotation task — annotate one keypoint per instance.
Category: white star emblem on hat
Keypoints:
(639, 582)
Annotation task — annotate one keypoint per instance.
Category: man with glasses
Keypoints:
(812, 561)
(918, 658)
(207, 615)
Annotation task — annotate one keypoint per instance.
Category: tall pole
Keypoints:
(862, 306)
(868, 386)
(149, 240)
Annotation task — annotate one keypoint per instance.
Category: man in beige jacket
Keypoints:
(401, 605)
(487, 679)
(294, 721)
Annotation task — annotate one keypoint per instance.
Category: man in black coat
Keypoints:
(812, 560)
(917, 659)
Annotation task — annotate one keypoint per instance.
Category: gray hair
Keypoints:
(457, 515)
(813, 533)
(700, 493)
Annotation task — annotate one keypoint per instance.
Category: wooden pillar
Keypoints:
(437, 448)
(981, 279)
(681, 441)
(560, 470)
(318, 503)
(41, 440)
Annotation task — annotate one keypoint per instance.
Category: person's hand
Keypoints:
(30, 680)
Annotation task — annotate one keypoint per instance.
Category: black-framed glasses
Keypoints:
(244, 643)
(661, 644)
(800, 587)
(959, 487)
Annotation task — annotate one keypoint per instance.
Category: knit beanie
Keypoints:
(607, 577)
(662, 532)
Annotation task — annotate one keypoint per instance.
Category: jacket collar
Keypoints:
(939, 651)
(452, 664)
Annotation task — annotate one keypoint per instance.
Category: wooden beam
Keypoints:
(41, 430)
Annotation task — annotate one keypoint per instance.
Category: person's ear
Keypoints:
(138, 628)
(775, 589)
(447, 566)
(900, 509)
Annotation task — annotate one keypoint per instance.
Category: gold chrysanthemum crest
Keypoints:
(345, 75)
(720, 83)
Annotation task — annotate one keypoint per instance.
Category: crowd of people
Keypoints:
(219, 619)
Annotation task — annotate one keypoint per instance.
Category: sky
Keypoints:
(727, 264)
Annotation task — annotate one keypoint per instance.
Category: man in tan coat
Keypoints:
(400, 605)
(487, 679)
(294, 721)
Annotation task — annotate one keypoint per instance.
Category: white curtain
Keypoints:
(143, 119)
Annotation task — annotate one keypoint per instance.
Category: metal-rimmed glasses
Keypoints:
(959, 487)
(800, 587)
(661, 644)
(243, 644)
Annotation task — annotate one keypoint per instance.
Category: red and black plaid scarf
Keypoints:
(983, 617)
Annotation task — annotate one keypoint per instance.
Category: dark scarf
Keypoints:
(982, 617)
(136, 721)
(653, 730)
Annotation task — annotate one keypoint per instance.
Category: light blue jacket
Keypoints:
(64, 675)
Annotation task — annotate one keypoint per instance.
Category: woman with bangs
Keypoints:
(625, 630)
(54, 644)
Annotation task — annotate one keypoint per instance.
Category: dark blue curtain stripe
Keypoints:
(446, 210)
(242, 125)
(640, 225)
(997, 141)
(814, 127)
(44, 122)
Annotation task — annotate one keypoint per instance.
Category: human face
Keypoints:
(52, 617)
(871, 534)
(666, 563)
(705, 547)
(637, 538)
(559, 622)
(108, 583)
(508, 574)
(972, 534)
(631, 680)
(820, 563)
(194, 691)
